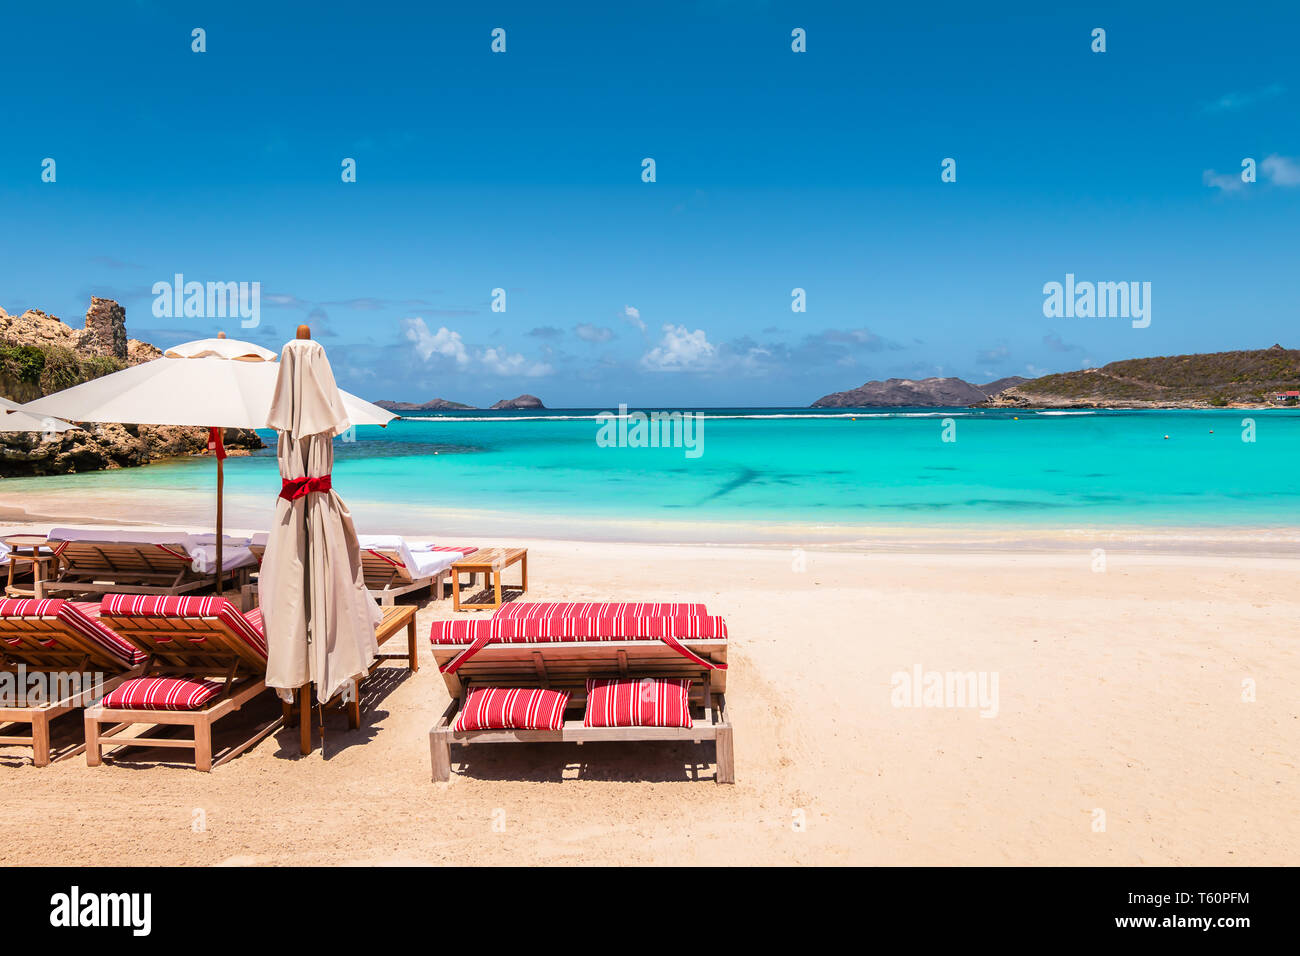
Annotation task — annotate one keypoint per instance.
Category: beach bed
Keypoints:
(392, 566)
(583, 650)
(95, 561)
(206, 660)
(78, 659)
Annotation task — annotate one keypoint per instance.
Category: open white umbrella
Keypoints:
(212, 383)
(14, 419)
(318, 616)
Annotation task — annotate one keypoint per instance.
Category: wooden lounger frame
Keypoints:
(194, 646)
(388, 577)
(104, 567)
(566, 666)
(73, 653)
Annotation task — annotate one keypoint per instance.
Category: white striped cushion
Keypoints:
(512, 708)
(649, 702)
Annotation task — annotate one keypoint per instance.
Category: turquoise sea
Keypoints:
(544, 473)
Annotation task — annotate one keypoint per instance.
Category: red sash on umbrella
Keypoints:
(215, 444)
(294, 488)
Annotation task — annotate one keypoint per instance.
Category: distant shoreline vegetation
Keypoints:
(1245, 379)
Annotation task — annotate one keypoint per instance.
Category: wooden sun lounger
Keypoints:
(102, 567)
(387, 577)
(195, 646)
(44, 641)
(566, 666)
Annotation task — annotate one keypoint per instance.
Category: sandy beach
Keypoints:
(1120, 733)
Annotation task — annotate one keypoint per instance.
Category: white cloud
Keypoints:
(512, 364)
(1228, 182)
(593, 333)
(1281, 170)
(1231, 102)
(680, 351)
(632, 316)
(444, 342)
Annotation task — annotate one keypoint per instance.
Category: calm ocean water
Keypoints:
(543, 472)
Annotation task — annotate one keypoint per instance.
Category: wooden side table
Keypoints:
(38, 562)
(489, 562)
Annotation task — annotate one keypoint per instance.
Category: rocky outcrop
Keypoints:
(433, 405)
(522, 402)
(105, 330)
(40, 354)
(106, 447)
(906, 392)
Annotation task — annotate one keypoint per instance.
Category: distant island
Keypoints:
(434, 405)
(1245, 379)
(444, 405)
(922, 393)
(522, 402)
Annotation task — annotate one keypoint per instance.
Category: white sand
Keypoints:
(1119, 692)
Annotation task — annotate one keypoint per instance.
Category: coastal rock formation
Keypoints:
(906, 392)
(1211, 380)
(522, 402)
(105, 329)
(40, 354)
(433, 405)
(106, 447)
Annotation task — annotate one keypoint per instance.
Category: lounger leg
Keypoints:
(354, 708)
(496, 586)
(455, 589)
(304, 718)
(412, 650)
(203, 746)
(726, 755)
(94, 755)
(440, 751)
(41, 740)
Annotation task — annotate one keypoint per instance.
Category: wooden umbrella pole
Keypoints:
(221, 485)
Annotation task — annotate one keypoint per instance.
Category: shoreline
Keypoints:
(1225, 540)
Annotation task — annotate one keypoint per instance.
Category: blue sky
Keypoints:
(774, 170)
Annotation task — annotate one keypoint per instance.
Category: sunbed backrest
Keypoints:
(59, 636)
(125, 560)
(384, 568)
(197, 634)
(571, 663)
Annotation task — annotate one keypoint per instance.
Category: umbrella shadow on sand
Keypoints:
(338, 737)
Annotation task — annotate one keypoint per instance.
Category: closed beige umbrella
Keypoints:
(319, 619)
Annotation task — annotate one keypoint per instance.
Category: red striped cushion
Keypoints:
(512, 708)
(553, 630)
(638, 703)
(535, 610)
(163, 693)
(81, 617)
(247, 627)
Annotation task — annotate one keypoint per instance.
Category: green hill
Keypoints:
(1208, 380)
